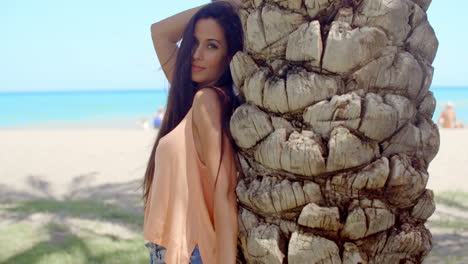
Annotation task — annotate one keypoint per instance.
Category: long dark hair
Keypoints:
(183, 89)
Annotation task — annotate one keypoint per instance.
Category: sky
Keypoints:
(52, 45)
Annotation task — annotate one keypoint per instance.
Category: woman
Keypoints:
(190, 181)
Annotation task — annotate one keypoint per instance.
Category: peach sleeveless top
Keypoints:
(179, 209)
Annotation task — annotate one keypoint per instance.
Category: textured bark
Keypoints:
(335, 131)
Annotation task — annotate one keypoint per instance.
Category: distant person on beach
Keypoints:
(190, 180)
(448, 119)
(158, 117)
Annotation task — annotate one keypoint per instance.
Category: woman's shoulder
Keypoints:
(207, 97)
(207, 93)
(206, 110)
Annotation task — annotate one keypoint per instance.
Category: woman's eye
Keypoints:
(212, 46)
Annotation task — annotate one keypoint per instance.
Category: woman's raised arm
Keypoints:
(165, 34)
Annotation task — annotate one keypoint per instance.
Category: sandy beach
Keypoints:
(51, 163)
(449, 170)
(59, 163)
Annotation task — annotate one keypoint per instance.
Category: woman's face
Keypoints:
(209, 57)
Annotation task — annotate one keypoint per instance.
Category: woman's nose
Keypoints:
(197, 54)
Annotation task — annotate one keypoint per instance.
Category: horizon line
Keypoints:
(149, 90)
(86, 90)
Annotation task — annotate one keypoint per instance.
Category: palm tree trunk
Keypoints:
(335, 131)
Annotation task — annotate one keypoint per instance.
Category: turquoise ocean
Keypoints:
(126, 107)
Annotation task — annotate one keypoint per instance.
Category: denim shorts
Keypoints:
(157, 254)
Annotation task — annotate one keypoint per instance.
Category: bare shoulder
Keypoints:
(207, 111)
(206, 95)
(206, 99)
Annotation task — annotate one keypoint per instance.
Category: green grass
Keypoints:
(54, 242)
(444, 259)
(452, 225)
(78, 208)
(454, 199)
(451, 199)
(37, 246)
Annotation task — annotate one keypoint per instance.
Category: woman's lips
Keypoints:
(197, 68)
